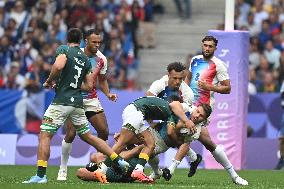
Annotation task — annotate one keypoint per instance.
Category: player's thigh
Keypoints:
(160, 145)
(133, 120)
(54, 117)
(79, 121)
(206, 140)
(70, 131)
(98, 121)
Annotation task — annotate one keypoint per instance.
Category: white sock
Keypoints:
(154, 163)
(174, 166)
(66, 149)
(192, 155)
(221, 157)
(103, 168)
(139, 167)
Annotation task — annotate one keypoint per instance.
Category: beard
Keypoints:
(208, 56)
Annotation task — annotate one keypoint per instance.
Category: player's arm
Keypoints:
(105, 88)
(131, 153)
(177, 108)
(223, 88)
(188, 77)
(148, 93)
(172, 134)
(56, 69)
(87, 84)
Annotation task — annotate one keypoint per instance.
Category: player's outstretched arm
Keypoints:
(105, 87)
(177, 108)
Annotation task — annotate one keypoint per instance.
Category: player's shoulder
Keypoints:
(198, 57)
(218, 62)
(101, 55)
(185, 87)
(62, 47)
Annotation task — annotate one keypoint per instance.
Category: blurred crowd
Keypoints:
(264, 19)
(31, 30)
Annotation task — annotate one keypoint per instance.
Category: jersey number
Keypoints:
(76, 77)
(197, 77)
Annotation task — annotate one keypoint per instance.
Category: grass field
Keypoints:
(12, 176)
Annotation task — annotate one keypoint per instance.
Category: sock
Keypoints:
(143, 158)
(154, 163)
(221, 157)
(66, 149)
(41, 168)
(174, 166)
(103, 168)
(108, 162)
(139, 167)
(113, 156)
(192, 155)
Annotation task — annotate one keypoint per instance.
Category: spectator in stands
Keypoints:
(243, 9)
(254, 55)
(19, 14)
(2, 79)
(82, 15)
(269, 85)
(6, 52)
(265, 34)
(14, 79)
(36, 77)
(252, 90)
(259, 13)
(253, 28)
(272, 55)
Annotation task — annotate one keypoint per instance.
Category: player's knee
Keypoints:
(70, 136)
(79, 173)
(209, 145)
(103, 133)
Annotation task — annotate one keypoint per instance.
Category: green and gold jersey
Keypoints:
(155, 108)
(68, 84)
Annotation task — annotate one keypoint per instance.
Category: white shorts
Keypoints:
(160, 145)
(133, 119)
(92, 105)
(56, 115)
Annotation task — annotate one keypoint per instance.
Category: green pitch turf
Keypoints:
(12, 176)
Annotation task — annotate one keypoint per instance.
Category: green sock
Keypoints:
(142, 161)
(41, 171)
(108, 162)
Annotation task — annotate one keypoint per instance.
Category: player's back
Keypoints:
(68, 89)
(153, 108)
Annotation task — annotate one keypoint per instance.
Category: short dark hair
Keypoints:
(74, 35)
(207, 109)
(174, 98)
(177, 66)
(210, 38)
(92, 31)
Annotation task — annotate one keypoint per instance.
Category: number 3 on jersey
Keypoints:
(76, 77)
(197, 76)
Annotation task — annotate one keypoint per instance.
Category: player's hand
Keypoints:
(48, 85)
(203, 85)
(116, 136)
(191, 126)
(112, 97)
